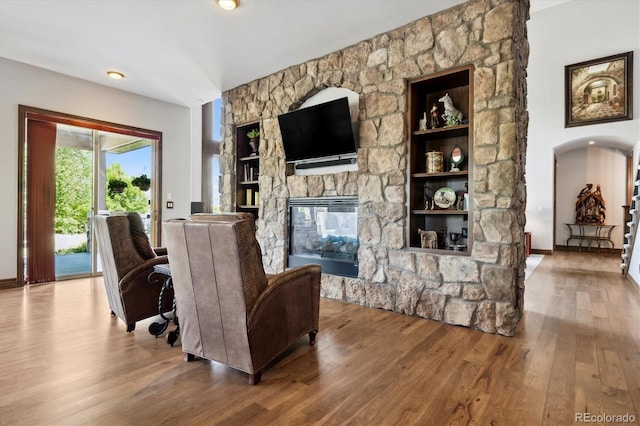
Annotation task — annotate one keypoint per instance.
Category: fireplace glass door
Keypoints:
(324, 231)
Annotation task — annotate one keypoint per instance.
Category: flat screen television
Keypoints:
(318, 131)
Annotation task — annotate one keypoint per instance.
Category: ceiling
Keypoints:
(187, 52)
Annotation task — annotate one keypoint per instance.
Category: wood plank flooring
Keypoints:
(65, 361)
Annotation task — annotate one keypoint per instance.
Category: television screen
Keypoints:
(318, 131)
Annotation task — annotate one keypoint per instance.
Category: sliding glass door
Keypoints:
(72, 169)
(96, 172)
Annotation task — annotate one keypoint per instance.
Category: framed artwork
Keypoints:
(599, 91)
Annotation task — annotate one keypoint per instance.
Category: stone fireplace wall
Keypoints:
(483, 291)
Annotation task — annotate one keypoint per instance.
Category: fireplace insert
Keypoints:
(324, 231)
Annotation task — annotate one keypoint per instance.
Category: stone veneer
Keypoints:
(483, 291)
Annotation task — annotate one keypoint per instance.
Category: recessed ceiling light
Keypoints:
(228, 4)
(115, 75)
(592, 143)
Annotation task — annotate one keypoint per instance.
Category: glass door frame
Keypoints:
(26, 112)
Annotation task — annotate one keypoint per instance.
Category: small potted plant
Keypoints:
(117, 186)
(143, 182)
(253, 136)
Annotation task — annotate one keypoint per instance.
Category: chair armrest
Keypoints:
(144, 268)
(284, 312)
(278, 289)
(139, 296)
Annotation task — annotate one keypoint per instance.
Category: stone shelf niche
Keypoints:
(483, 289)
(423, 213)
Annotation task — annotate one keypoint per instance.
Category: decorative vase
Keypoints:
(253, 143)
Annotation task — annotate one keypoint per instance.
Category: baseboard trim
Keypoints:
(539, 251)
(603, 250)
(8, 283)
(633, 282)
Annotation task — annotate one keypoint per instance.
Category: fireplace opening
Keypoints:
(324, 231)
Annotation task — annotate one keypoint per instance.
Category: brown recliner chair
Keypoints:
(229, 310)
(127, 261)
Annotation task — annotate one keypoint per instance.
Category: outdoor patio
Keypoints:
(72, 264)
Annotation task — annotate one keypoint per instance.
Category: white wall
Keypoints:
(572, 32)
(35, 87)
(598, 166)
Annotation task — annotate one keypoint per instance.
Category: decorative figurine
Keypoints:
(435, 121)
(460, 201)
(428, 197)
(428, 239)
(590, 206)
(422, 123)
(451, 116)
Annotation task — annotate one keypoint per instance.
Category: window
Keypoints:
(211, 141)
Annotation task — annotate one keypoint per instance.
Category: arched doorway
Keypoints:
(598, 165)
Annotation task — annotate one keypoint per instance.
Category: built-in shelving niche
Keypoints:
(247, 170)
(424, 92)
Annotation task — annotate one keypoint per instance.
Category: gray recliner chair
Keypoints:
(127, 261)
(230, 311)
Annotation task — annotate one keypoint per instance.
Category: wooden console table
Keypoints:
(580, 231)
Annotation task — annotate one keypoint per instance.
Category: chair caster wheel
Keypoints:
(157, 328)
(172, 336)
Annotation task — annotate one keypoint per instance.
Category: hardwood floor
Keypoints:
(64, 361)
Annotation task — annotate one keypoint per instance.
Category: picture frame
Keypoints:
(599, 91)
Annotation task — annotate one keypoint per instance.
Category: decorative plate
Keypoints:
(444, 197)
